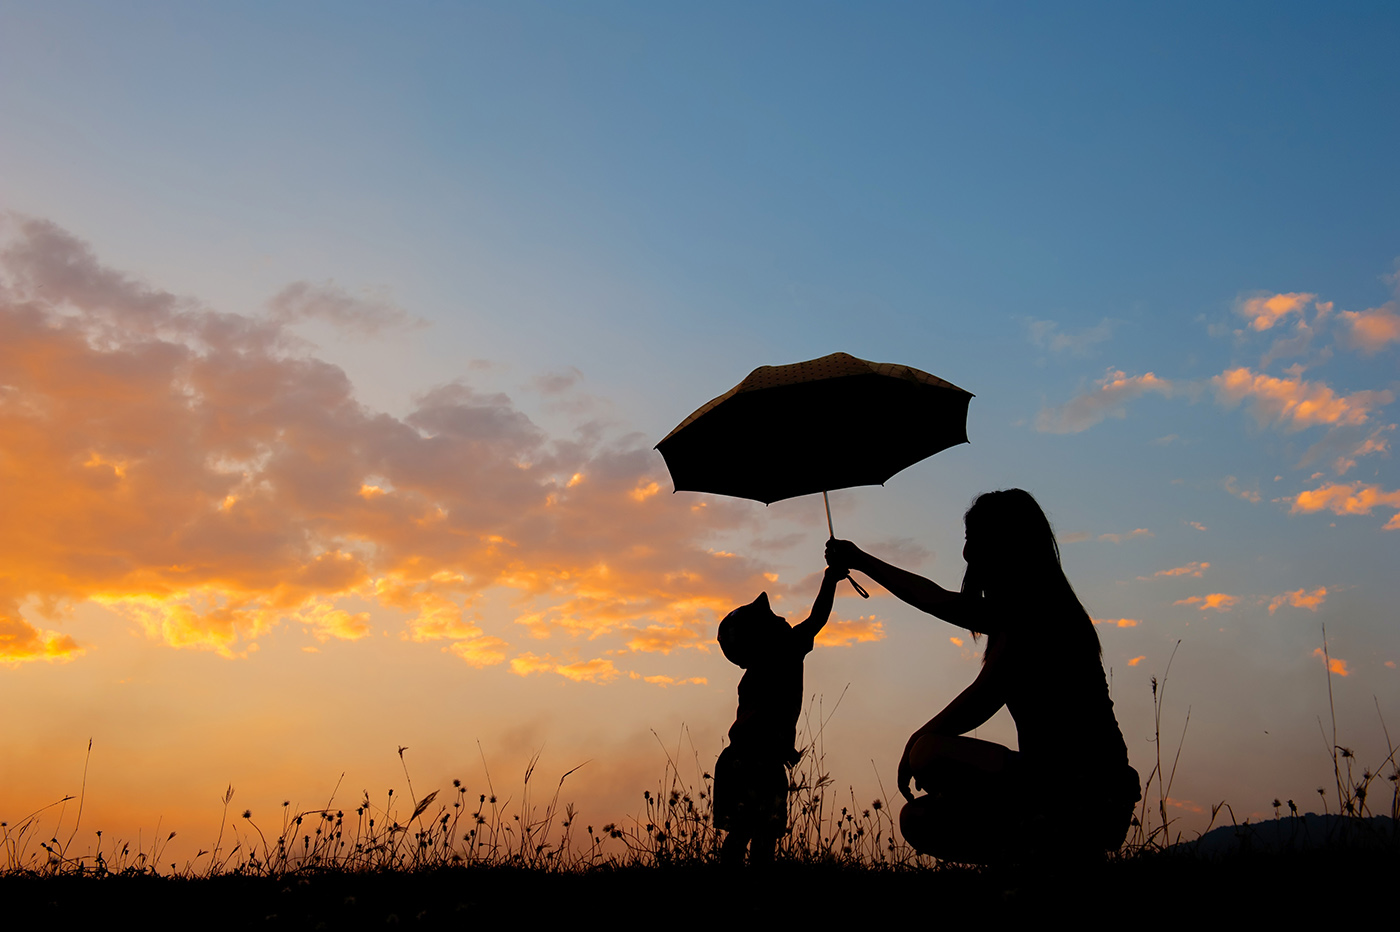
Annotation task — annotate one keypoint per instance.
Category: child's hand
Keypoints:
(835, 574)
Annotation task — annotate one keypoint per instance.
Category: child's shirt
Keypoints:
(770, 697)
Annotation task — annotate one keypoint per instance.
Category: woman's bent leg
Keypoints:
(967, 814)
(940, 759)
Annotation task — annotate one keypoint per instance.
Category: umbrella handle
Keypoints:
(832, 531)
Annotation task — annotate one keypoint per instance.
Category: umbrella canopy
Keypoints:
(785, 430)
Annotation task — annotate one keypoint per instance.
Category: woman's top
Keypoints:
(1055, 689)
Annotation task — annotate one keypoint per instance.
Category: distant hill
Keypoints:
(1296, 833)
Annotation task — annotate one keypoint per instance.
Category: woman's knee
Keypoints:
(918, 824)
(953, 831)
(936, 760)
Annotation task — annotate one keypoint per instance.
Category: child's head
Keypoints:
(751, 631)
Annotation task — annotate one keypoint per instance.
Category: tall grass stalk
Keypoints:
(1145, 834)
(1352, 791)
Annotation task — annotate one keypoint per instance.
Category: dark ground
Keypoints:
(1157, 890)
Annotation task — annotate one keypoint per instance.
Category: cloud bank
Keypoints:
(199, 473)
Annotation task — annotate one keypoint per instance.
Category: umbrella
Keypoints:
(765, 438)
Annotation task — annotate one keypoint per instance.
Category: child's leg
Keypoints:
(731, 852)
(765, 843)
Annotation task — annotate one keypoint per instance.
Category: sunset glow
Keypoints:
(334, 352)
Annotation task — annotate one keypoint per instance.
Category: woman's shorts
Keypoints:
(984, 817)
(750, 793)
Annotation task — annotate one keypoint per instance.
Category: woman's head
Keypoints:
(1011, 553)
(1009, 539)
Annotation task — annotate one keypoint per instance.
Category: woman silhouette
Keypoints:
(1069, 788)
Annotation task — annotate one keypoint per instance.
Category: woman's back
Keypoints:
(1058, 696)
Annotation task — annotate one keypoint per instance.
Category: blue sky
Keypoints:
(652, 200)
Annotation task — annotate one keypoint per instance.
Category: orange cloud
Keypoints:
(1117, 622)
(485, 651)
(1371, 331)
(841, 632)
(1218, 601)
(1108, 398)
(1190, 569)
(327, 622)
(1185, 804)
(1264, 312)
(1348, 498)
(1294, 403)
(643, 492)
(1137, 660)
(528, 663)
(661, 680)
(663, 639)
(186, 468)
(1299, 598)
(1197, 525)
(956, 641)
(1334, 664)
(21, 641)
(1130, 535)
(598, 670)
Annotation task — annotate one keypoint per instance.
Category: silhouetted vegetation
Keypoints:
(450, 858)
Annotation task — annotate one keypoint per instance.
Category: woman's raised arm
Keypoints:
(924, 594)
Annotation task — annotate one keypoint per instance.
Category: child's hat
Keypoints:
(738, 627)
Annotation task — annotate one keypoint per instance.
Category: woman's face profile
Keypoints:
(985, 552)
(974, 546)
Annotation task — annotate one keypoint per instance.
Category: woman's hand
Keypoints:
(842, 554)
(905, 773)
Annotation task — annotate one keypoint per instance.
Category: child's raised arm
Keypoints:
(821, 608)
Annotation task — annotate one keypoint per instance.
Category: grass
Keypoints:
(453, 855)
(412, 833)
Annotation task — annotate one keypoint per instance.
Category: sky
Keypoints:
(337, 338)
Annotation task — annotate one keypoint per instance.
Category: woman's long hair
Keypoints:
(1015, 557)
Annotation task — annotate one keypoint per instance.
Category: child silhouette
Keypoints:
(751, 783)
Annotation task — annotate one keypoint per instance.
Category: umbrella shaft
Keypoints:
(832, 531)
